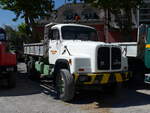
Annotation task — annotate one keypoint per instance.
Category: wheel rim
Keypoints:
(61, 85)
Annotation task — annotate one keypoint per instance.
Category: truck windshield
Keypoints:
(79, 33)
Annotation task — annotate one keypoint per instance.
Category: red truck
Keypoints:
(8, 62)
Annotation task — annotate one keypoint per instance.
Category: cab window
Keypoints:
(79, 33)
(54, 34)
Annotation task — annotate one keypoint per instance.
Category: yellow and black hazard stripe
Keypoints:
(147, 46)
(101, 78)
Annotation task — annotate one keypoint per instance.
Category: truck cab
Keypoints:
(71, 55)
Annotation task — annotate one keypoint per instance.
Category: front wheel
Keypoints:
(65, 85)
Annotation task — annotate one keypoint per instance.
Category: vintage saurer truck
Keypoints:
(72, 57)
(8, 62)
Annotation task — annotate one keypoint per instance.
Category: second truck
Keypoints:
(72, 57)
(8, 62)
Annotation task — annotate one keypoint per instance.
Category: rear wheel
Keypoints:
(33, 74)
(65, 85)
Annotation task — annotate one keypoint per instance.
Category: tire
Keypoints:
(65, 85)
(32, 73)
(147, 86)
(11, 79)
(29, 67)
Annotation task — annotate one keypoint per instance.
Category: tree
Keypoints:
(12, 37)
(115, 6)
(22, 33)
(16, 37)
(30, 10)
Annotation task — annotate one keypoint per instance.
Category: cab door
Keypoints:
(147, 49)
(54, 46)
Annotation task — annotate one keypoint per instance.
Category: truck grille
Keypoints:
(115, 58)
(109, 58)
(103, 58)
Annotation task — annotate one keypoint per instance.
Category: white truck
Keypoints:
(71, 55)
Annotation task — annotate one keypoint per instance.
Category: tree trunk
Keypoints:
(128, 28)
(28, 26)
(106, 22)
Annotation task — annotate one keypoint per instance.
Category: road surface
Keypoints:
(36, 97)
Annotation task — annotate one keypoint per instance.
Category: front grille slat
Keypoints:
(109, 58)
(116, 58)
(103, 58)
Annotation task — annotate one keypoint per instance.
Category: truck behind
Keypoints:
(8, 62)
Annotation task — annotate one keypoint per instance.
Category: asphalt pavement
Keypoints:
(39, 97)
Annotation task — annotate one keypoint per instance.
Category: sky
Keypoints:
(7, 16)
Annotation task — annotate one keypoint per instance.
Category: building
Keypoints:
(85, 14)
(144, 13)
(77, 13)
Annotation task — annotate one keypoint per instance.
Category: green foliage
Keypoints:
(22, 33)
(12, 37)
(28, 9)
(16, 37)
(22, 28)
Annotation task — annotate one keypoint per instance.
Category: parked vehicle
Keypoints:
(8, 63)
(73, 58)
(147, 54)
(135, 52)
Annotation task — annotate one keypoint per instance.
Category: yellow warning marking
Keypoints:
(118, 77)
(126, 75)
(147, 46)
(76, 76)
(93, 76)
(105, 78)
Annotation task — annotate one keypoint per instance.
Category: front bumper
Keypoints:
(101, 78)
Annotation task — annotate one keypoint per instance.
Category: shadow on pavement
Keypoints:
(24, 86)
(124, 97)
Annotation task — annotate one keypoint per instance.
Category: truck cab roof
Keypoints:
(57, 25)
